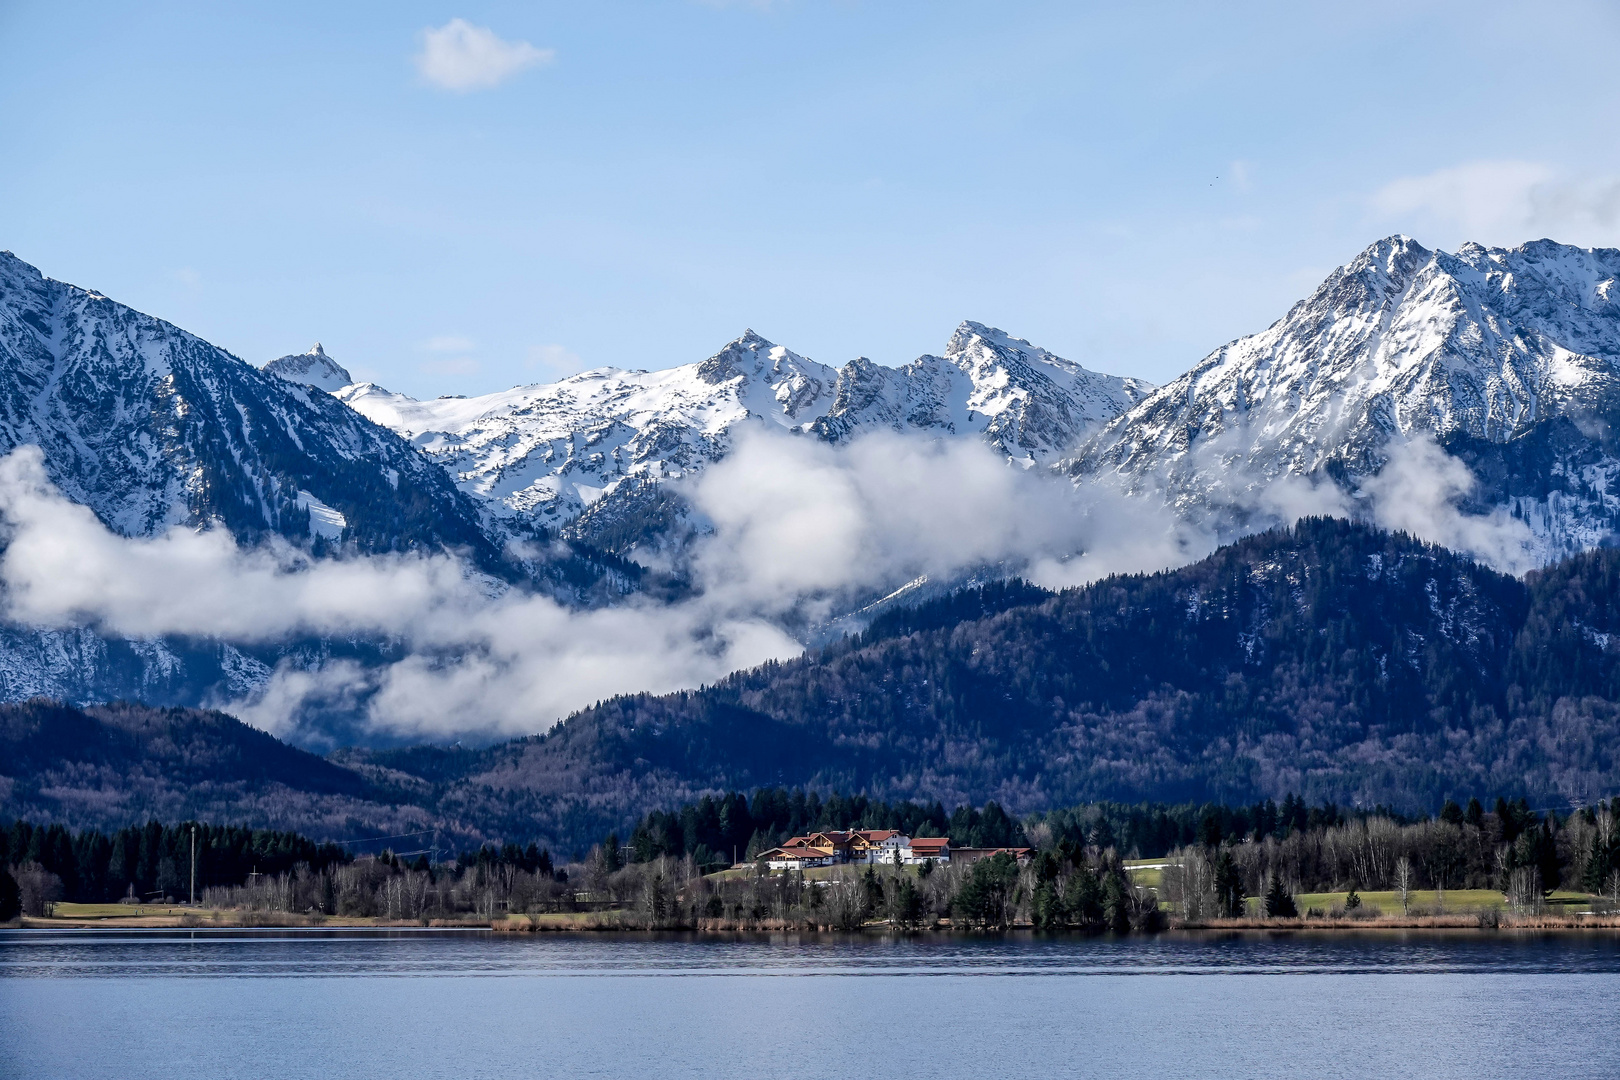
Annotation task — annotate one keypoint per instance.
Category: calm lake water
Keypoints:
(435, 1004)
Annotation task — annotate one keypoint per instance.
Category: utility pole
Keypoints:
(194, 866)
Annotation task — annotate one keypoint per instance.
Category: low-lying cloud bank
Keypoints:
(800, 529)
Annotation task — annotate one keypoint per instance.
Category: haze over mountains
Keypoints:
(508, 558)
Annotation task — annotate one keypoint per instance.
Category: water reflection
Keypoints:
(354, 953)
(434, 1004)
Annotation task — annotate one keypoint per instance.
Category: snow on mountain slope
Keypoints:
(604, 441)
(1484, 346)
(313, 368)
(1024, 401)
(552, 450)
(151, 426)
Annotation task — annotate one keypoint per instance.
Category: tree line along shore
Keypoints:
(1101, 867)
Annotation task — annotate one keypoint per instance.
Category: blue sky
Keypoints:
(635, 183)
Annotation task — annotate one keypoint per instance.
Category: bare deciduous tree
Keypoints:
(1403, 883)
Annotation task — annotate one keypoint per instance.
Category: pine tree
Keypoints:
(1229, 892)
(908, 904)
(10, 896)
(1116, 910)
(1083, 896)
(1279, 902)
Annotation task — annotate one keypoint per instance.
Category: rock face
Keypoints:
(151, 427)
(313, 368)
(594, 450)
(1486, 348)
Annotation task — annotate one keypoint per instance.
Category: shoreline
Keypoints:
(594, 923)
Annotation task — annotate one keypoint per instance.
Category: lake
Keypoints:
(447, 1004)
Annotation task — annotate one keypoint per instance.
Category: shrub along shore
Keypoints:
(1092, 869)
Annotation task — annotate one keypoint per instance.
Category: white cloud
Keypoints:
(482, 658)
(800, 530)
(800, 525)
(461, 57)
(1504, 202)
(797, 525)
(1417, 492)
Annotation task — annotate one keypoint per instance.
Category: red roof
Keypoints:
(929, 843)
(796, 852)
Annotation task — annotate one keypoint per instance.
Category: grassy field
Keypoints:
(129, 911)
(1147, 877)
(175, 915)
(1456, 900)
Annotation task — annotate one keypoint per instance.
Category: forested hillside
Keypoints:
(1333, 660)
(110, 766)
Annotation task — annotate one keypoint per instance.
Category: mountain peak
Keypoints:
(742, 355)
(312, 368)
(967, 331)
(1483, 346)
(1397, 256)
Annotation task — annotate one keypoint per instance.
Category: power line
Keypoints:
(395, 836)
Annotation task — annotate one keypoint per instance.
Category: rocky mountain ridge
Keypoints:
(586, 451)
(1486, 350)
(154, 428)
(1507, 356)
(150, 427)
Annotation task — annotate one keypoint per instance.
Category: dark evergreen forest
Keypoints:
(1332, 659)
(154, 860)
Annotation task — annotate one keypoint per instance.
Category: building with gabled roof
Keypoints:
(927, 849)
(796, 857)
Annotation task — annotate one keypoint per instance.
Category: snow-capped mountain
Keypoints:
(313, 368)
(594, 448)
(151, 426)
(1511, 357)
(1495, 351)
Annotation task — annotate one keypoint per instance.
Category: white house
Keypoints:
(923, 849)
(796, 858)
(881, 845)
